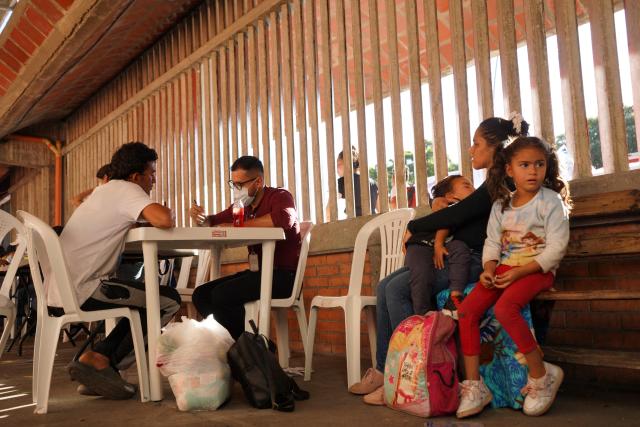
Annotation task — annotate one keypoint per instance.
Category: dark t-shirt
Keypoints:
(373, 192)
(467, 220)
(426, 238)
(279, 203)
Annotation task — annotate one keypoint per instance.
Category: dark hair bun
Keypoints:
(496, 130)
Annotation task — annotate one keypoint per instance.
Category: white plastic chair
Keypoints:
(202, 276)
(392, 226)
(7, 307)
(183, 275)
(295, 302)
(45, 251)
(185, 271)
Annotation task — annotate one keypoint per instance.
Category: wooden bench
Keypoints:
(592, 357)
(588, 356)
(598, 295)
(601, 225)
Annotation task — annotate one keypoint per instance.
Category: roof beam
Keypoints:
(14, 153)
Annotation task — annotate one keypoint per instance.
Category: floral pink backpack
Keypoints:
(420, 371)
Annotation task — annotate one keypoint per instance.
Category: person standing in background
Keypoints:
(103, 177)
(373, 187)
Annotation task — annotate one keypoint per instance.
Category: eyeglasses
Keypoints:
(239, 185)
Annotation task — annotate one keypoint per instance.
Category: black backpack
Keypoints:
(255, 366)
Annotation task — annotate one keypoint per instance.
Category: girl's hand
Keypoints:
(439, 251)
(508, 277)
(487, 279)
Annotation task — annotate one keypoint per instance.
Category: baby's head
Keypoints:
(454, 188)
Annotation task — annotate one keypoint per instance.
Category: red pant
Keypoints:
(508, 304)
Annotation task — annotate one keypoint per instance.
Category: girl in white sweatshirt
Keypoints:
(527, 237)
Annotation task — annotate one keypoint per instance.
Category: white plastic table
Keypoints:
(213, 238)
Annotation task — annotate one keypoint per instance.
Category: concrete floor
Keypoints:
(330, 405)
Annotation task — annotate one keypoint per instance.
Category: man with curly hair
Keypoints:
(93, 241)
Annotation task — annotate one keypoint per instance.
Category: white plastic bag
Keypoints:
(194, 356)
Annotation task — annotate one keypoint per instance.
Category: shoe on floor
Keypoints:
(474, 396)
(376, 397)
(106, 382)
(86, 391)
(451, 306)
(541, 392)
(370, 382)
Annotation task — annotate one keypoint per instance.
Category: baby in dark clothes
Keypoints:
(426, 251)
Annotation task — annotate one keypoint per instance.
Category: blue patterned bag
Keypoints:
(505, 375)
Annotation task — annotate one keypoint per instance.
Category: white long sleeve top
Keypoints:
(536, 231)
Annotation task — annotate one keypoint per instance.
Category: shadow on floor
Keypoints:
(330, 405)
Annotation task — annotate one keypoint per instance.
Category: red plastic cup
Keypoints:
(238, 217)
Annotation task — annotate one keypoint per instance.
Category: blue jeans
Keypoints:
(393, 305)
(393, 301)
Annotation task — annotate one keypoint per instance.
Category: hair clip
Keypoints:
(516, 119)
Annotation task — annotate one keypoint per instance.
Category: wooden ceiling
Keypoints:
(46, 74)
(55, 54)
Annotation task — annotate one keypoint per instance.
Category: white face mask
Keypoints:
(243, 195)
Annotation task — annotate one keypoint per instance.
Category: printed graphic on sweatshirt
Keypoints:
(520, 244)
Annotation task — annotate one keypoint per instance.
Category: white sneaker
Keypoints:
(541, 392)
(474, 396)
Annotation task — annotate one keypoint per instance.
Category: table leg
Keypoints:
(268, 249)
(152, 292)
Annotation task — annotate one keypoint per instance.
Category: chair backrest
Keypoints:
(203, 269)
(8, 223)
(305, 236)
(392, 226)
(45, 250)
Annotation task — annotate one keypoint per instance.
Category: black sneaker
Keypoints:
(105, 382)
(451, 306)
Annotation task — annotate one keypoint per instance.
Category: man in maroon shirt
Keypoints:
(263, 207)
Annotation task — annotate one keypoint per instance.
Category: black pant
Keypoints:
(115, 293)
(419, 259)
(225, 297)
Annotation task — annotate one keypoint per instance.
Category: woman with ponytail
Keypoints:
(467, 219)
